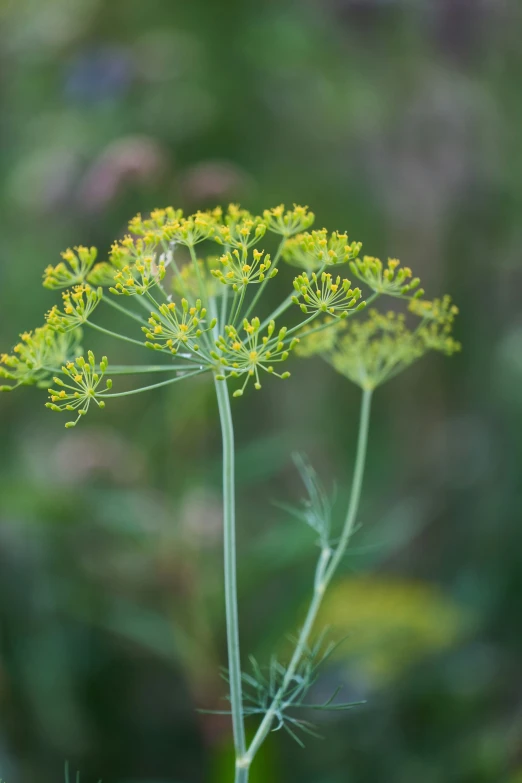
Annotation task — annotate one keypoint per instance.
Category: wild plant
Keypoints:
(202, 313)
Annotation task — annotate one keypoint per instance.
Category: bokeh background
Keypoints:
(399, 121)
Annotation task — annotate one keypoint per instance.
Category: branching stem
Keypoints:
(326, 567)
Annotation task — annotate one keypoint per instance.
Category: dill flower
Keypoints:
(372, 352)
(326, 295)
(139, 277)
(313, 250)
(73, 270)
(157, 225)
(392, 279)
(240, 232)
(37, 355)
(78, 304)
(126, 251)
(436, 336)
(237, 271)
(254, 352)
(442, 311)
(171, 330)
(82, 387)
(193, 229)
(288, 223)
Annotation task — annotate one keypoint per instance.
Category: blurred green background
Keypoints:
(399, 122)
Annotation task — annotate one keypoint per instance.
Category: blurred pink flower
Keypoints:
(129, 159)
(215, 180)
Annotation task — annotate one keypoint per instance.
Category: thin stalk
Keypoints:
(287, 303)
(277, 312)
(302, 324)
(131, 369)
(201, 282)
(229, 546)
(145, 369)
(123, 310)
(154, 385)
(202, 290)
(224, 306)
(212, 306)
(115, 334)
(326, 567)
(232, 313)
(142, 301)
(238, 308)
(355, 495)
(267, 278)
(152, 300)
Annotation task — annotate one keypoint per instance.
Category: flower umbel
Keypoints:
(73, 270)
(377, 349)
(78, 304)
(192, 230)
(247, 355)
(238, 270)
(314, 250)
(392, 279)
(240, 233)
(326, 294)
(157, 226)
(290, 222)
(443, 311)
(138, 278)
(37, 355)
(174, 330)
(77, 395)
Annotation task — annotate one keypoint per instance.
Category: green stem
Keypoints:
(224, 305)
(241, 774)
(123, 310)
(115, 334)
(355, 495)
(267, 278)
(154, 385)
(302, 324)
(238, 308)
(277, 312)
(139, 369)
(326, 567)
(229, 541)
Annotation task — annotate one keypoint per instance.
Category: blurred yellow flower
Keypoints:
(389, 625)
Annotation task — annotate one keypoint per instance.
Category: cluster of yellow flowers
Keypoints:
(374, 350)
(248, 355)
(198, 308)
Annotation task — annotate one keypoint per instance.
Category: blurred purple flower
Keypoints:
(99, 74)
